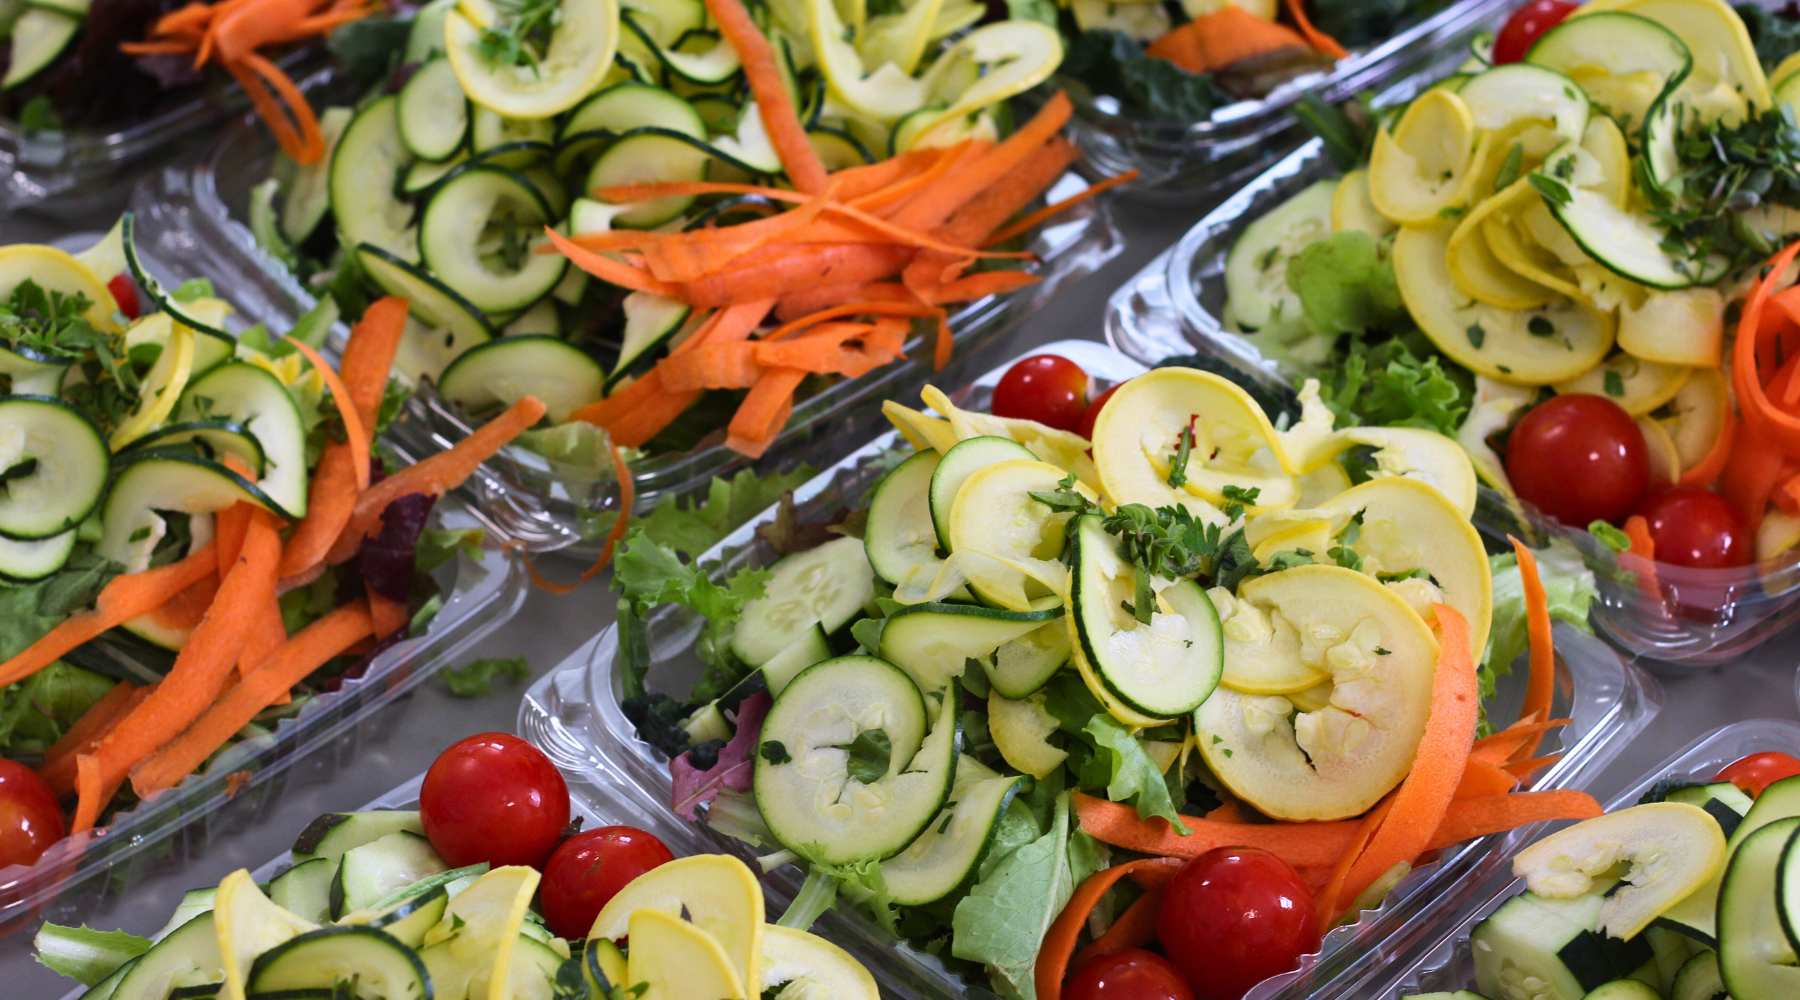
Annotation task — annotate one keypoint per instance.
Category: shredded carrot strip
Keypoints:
(1540, 687)
(1059, 941)
(1319, 40)
(763, 73)
(1029, 222)
(357, 436)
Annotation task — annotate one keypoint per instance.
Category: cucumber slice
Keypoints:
(1756, 960)
(454, 326)
(933, 643)
(479, 204)
(651, 322)
(333, 834)
(213, 439)
(783, 667)
(946, 856)
(828, 708)
(22, 561)
(249, 395)
(969, 456)
(308, 195)
(433, 114)
(305, 890)
(372, 871)
(826, 586)
(366, 168)
(1256, 268)
(1536, 947)
(375, 962)
(53, 465)
(1164, 669)
(1669, 951)
(188, 956)
(147, 485)
(1699, 979)
(505, 369)
(645, 155)
(39, 35)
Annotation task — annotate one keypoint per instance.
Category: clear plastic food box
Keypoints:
(1434, 955)
(575, 713)
(198, 212)
(1173, 306)
(1197, 162)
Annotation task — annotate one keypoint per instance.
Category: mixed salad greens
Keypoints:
(469, 897)
(1035, 654)
(1684, 896)
(198, 533)
(671, 220)
(1553, 256)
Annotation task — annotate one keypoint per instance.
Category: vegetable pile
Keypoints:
(754, 204)
(1040, 661)
(1686, 894)
(471, 897)
(1543, 256)
(195, 535)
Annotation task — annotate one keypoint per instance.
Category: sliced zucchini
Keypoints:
(1699, 979)
(1256, 268)
(898, 536)
(542, 319)
(366, 170)
(307, 196)
(506, 369)
(651, 321)
(187, 956)
(801, 964)
(1756, 960)
(53, 467)
(969, 456)
(147, 485)
(509, 143)
(452, 325)
(375, 962)
(250, 395)
(39, 35)
(1697, 915)
(426, 38)
(477, 236)
(370, 872)
(333, 834)
(826, 586)
(813, 647)
(29, 373)
(1608, 48)
(305, 889)
(650, 154)
(933, 643)
(1537, 947)
(213, 439)
(408, 920)
(998, 531)
(750, 148)
(25, 561)
(619, 109)
(433, 114)
(887, 789)
(946, 855)
(1724, 801)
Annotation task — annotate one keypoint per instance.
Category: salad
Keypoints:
(1684, 896)
(1553, 256)
(1183, 62)
(1041, 660)
(198, 535)
(484, 892)
(673, 220)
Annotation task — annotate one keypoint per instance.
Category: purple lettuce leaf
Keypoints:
(734, 768)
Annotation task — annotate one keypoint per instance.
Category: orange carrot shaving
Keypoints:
(627, 498)
(1027, 223)
(387, 617)
(1540, 687)
(761, 71)
(931, 207)
(785, 268)
(1478, 817)
(91, 792)
(764, 411)
(1481, 778)
(356, 435)
(1222, 38)
(1299, 844)
(1320, 41)
(58, 770)
(1524, 770)
(1709, 467)
(1330, 901)
(1641, 558)
(1508, 743)
(610, 270)
(1059, 941)
(1135, 928)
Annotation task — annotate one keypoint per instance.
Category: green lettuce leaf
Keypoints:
(476, 678)
(647, 575)
(691, 530)
(1396, 383)
(1003, 919)
(1132, 776)
(1346, 284)
(1569, 589)
(84, 954)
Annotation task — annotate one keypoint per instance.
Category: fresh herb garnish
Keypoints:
(870, 755)
(520, 36)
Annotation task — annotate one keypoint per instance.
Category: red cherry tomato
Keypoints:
(1760, 770)
(1580, 459)
(1046, 388)
(1696, 527)
(589, 869)
(1233, 917)
(1132, 974)
(30, 819)
(125, 294)
(494, 798)
(1092, 413)
(1526, 26)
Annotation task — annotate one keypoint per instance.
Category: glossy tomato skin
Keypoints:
(1526, 25)
(1760, 770)
(589, 869)
(1132, 974)
(30, 819)
(1233, 917)
(1046, 388)
(125, 294)
(1696, 528)
(493, 797)
(1092, 413)
(1580, 459)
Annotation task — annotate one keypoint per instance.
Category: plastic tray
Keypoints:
(197, 212)
(1197, 162)
(1436, 956)
(575, 711)
(1173, 306)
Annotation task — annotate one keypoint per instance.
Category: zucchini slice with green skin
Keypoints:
(622, 108)
(426, 38)
(958, 464)
(433, 114)
(188, 956)
(651, 154)
(1699, 979)
(214, 344)
(372, 871)
(453, 240)
(946, 855)
(1256, 268)
(147, 484)
(933, 643)
(53, 467)
(307, 197)
(214, 438)
(898, 536)
(370, 159)
(22, 561)
(1164, 669)
(509, 142)
(1755, 956)
(409, 920)
(305, 890)
(651, 322)
(780, 671)
(378, 963)
(39, 35)
(247, 394)
(818, 742)
(331, 835)
(506, 369)
(1697, 915)
(449, 324)
(30, 373)
(825, 586)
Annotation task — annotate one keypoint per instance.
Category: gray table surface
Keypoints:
(548, 628)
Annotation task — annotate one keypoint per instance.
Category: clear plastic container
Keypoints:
(197, 212)
(1198, 162)
(81, 875)
(1434, 955)
(575, 712)
(1700, 618)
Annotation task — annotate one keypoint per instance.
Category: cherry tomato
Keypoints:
(1132, 974)
(589, 869)
(1526, 26)
(1580, 459)
(1233, 917)
(125, 294)
(1696, 527)
(1048, 389)
(494, 798)
(1092, 413)
(1760, 770)
(30, 819)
